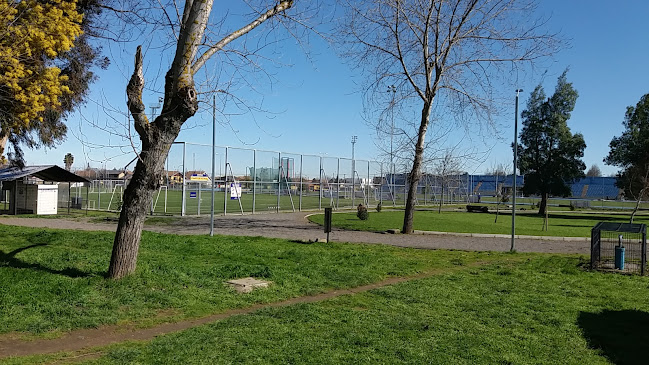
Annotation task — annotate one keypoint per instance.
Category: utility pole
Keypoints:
(393, 90)
(354, 138)
(515, 162)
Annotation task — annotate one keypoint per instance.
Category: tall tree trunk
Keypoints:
(543, 206)
(415, 173)
(637, 206)
(180, 104)
(3, 145)
(441, 200)
(137, 199)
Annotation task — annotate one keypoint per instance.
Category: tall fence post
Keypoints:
(643, 258)
(225, 184)
(405, 188)
(182, 198)
(338, 184)
(367, 184)
(279, 179)
(320, 186)
(301, 183)
(254, 180)
(381, 185)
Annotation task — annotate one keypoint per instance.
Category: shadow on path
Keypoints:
(622, 336)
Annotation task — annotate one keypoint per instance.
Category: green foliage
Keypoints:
(550, 155)
(362, 213)
(68, 160)
(47, 74)
(630, 151)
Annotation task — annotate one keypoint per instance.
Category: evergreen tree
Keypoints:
(630, 151)
(68, 160)
(550, 155)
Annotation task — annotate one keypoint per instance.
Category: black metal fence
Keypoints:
(619, 247)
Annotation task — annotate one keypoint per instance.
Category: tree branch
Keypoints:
(282, 6)
(134, 95)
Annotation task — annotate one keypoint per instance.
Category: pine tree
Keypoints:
(630, 151)
(550, 155)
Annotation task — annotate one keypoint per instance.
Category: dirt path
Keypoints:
(98, 337)
(296, 226)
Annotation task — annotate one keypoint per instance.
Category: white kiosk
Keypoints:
(34, 189)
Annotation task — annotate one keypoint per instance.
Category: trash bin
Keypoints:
(619, 257)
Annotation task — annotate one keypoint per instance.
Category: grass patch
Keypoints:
(75, 214)
(544, 310)
(53, 280)
(560, 224)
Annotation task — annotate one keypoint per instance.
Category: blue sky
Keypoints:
(313, 105)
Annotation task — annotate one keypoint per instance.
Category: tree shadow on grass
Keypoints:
(622, 336)
(9, 259)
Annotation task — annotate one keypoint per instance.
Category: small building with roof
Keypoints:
(34, 189)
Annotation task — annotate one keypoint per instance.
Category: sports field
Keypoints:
(561, 224)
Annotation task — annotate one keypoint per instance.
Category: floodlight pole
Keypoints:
(393, 90)
(354, 138)
(515, 162)
(213, 162)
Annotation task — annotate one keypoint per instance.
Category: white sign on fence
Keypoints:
(235, 191)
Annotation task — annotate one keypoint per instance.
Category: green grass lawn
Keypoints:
(264, 202)
(546, 310)
(53, 280)
(573, 224)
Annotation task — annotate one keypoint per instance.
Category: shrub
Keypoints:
(362, 213)
(379, 206)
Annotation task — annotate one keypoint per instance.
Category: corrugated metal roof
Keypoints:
(621, 227)
(44, 172)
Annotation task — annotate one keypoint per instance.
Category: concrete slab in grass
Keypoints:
(246, 285)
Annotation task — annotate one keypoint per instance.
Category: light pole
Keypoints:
(515, 162)
(393, 90)
(354, 138)
(213, 161)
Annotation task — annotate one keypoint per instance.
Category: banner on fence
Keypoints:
(235, 191)
(199, 177)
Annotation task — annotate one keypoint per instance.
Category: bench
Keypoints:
(477, 208)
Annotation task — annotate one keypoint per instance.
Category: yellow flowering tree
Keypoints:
(34, 34)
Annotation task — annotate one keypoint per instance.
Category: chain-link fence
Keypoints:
(255, 181)
(272, 181)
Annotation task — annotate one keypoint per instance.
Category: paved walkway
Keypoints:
(296, 226)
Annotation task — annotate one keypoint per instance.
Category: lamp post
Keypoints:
(393, 90)
(354, 138)
(515, 162)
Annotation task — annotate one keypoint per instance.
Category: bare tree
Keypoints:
(445, 53)
(499, 171)
(193, 48)
(594, 171)
(447, 170)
